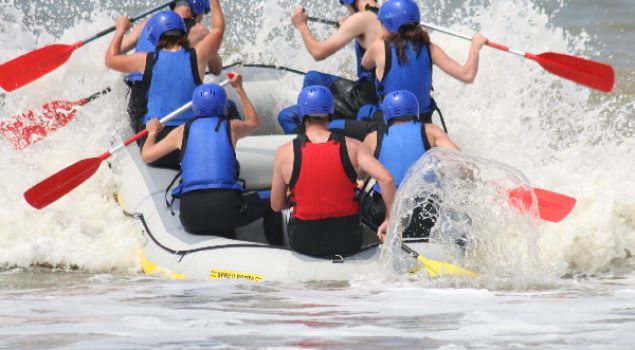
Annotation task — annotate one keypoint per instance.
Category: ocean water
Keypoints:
(70, 277)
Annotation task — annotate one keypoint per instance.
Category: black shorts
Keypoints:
(423, 218)
(137, 104)
(326, 237)
(219, 211)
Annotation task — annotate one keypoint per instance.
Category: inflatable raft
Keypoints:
(169, 250)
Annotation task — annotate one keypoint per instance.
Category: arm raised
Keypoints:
(465, 73)
(242, 128)
(210, 44)
(119, 61)
(350, 29)
(130, 40)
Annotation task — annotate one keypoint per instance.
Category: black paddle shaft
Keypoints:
(97, 94)
(258, 65)
(323, 21)
(133, 19)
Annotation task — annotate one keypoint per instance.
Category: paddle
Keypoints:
(436, 268)
(268, 66)
(30, 127)
(57, 185)
(552, 206)
(22, 70)
(596, 75)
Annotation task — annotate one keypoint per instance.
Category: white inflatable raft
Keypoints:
(169, 250)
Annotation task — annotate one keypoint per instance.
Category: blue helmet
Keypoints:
(315, 100)
(198, 6)
(400, 103)
(209, 100)
(165, 22)
(395, 13)
(350, 3)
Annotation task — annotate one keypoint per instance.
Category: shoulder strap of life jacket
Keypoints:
(194, 64)
(151, 60)
(298, 142)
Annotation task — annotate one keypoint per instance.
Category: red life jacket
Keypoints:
(323, 182)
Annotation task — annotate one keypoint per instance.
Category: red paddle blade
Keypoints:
(30, 127)
(596, 75)
(57, 185)
(552, 206)
(33, 65)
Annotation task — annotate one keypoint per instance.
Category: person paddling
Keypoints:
(316, 175)
(397, 145)
(213, 201)
(403, 59)
(361, 27)
(172, 71)
(192, 12)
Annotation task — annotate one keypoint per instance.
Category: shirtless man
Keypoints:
(316, 175)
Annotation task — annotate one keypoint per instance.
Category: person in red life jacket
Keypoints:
(316, 175)
(213, 202)
(362, 28)
(397, 145)
(172, 71)
(192, 12)
(403, 59)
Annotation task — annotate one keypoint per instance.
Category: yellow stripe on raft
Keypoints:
(150, 268)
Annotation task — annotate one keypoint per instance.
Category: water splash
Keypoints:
(469, 199)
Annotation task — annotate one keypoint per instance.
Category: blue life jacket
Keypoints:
(170, 79)
(415, 75)
(143, 45)
(208, 158)
(399, 146)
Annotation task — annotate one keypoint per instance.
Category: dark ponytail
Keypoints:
(408, 34)
(167, 42)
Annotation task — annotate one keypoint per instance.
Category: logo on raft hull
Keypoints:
(217, 274)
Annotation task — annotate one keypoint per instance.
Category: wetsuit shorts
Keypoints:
(326, 237)
(219, 211)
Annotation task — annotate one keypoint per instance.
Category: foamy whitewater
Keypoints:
(70, 275)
